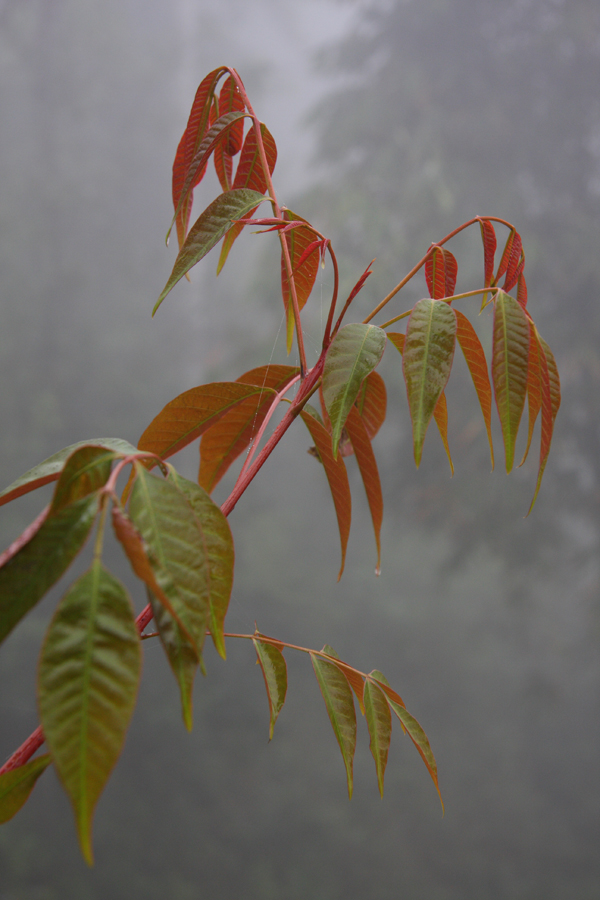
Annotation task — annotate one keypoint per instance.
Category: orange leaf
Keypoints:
(550, 395)
(476, 362)
(371, 403)
(488, 237)
(440, 414)
(534, 393)
(298, 239)
(440, 273)
(369, 473)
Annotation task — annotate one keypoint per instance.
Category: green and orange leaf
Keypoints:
(476, 362)
(369, 473)
(17, 784)
(337, 695)
(550, 401)
(510, 364)
(274, 670)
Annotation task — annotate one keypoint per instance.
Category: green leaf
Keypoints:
(87, 686)
(224, 441)
(337, 476)
(510, 362)
(175, 550)
(337, 695)
(219, 555)
(84, 473)
(190, 414)
(50, 469)
(379, 720)
(354, 352)
(37, 560)
(427, 361)
(369, 473)
(476, 362)
(274, 669)
(17, 784)
(182, 658)
(208, 230)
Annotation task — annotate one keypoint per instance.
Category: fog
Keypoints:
(394, 123)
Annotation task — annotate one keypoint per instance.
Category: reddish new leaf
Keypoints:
(516, 263)
(337, 476)
(488, 238)
(440, 272)
(368, 472)
(522, 290)
(371, 403)
(550, 396)
(298, 239)
(534, 391)
(230, 100)
(510, 363)
(190, 414)
(475, 358)
(274, 669)
(231, 435)
(250, 174)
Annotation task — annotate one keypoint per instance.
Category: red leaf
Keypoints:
(250, 174)
(516, 263)
(440, 273)
(440, 414)
(228, 438)
(337, 477)
(230, 100)
(534, 393)
(304, 276)
(522, 291)
(488, 237)
(550, 391)
(369, 473)
(476, 362)
(371, 403)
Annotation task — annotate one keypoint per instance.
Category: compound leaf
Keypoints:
(337, 695)
(274, 669)
(426, 362)
(190, 414)
(510, 362)
(354, 352)
(475, 358)
(17, 784)
(337, 476)
(87, 686)
(208, 230)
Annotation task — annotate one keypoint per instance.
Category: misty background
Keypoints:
(395, 122)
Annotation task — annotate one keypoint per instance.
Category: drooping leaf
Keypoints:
(440, 414)
(197, 125)
(50, 469)
(522, 290)
(176, 552)
(510, 356)
(87, 685)
(488, 238)
(355, 679)
(516, 263)
(182, 658)
(534, 390)
(249, 174)
(369, 473)
(426, 362)
(208, 230)
(217, 541)
(17, 784)
(274, 669)
(550, 401)
(337, 695)
(354, 352)
(337, 476)
(379, 721)
(230, 100)
(440, 273)
(231, 435)
(190, 414)
(40, 560)
(477, 365)
(298, 239)
(371, 403)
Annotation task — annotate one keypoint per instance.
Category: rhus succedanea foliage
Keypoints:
(176, 538)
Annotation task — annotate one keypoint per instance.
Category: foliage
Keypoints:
(177, 539)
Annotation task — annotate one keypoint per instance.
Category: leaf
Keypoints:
(274, 669)
(488, 238)
(84, 473)
(477, 365)
(190, 414)
(17, 784)
(195, 130)
(337, 476)
(516, 262)
(426, 362)
(355, 679)
(550, 401)
(354, 352)
(510, 360)
(182, 658)
(379, 721)
(249, 174)
(534, 391)
(219, 554)
(176, 552)
(522, 291)
(371, 403)
(208, 230)
(230, 100)
(231, 435)
(440, 273)
(40, 561)
(50, 469)
(298, 239)
(369, 473)
(337, 695)
(87, 686)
